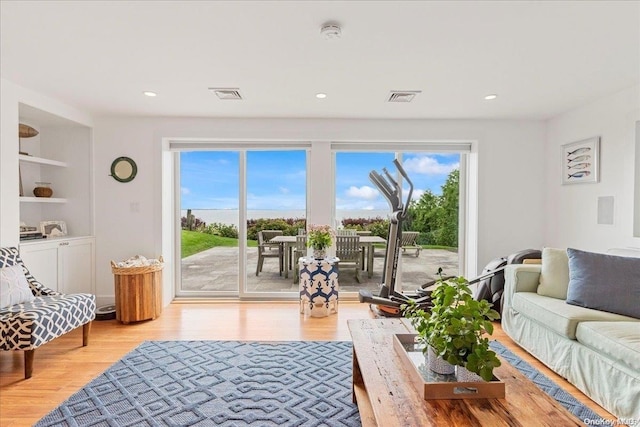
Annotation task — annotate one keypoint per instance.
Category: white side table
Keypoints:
(318, 286)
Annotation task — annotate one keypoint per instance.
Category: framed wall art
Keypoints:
(53, 228)
(580, 161)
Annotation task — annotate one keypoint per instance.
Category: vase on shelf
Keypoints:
(319, 253)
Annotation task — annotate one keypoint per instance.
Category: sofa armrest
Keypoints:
(519, 278)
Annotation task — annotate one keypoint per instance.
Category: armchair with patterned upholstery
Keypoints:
(32, 314)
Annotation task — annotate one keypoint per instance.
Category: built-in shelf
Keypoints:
(29, 199)
(41, 161)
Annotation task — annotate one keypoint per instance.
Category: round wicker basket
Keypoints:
(137, 270)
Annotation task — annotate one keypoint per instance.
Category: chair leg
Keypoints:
(86, 328)
(259, 266)
(28, 363)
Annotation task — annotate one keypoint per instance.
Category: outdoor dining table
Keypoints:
(288, 243)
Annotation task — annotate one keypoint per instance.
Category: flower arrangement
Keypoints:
(320, 237)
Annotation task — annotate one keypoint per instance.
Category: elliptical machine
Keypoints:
(389, 301)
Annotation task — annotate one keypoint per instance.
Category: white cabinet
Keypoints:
(65, 265)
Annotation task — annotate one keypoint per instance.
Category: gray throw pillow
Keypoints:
(604, 282)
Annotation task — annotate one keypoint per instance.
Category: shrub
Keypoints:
(289, 226)
(222, 230)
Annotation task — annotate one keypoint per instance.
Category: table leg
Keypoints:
(370, 260)
(287, 259)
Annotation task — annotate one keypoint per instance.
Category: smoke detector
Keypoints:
(331, 31)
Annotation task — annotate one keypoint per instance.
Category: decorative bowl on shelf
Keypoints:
(43, 189)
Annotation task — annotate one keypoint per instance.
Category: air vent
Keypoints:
(226, 93)
(403, 96)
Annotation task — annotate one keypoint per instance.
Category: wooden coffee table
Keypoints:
(385, 396)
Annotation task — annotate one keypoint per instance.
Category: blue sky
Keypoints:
(277, 179)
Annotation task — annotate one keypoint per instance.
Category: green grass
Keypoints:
(194, 242)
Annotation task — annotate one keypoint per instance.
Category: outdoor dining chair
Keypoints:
(269, 250)
(349, 251)
(299, 250)
(408, 240)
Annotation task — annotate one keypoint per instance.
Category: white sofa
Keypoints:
(597, 351)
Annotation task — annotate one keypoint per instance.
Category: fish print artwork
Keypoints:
(580, 161)
(580, 166)
(579, 151)
(580, 174)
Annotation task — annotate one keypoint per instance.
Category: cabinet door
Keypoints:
(42, 262)
(76, 266)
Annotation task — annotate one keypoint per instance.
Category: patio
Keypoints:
(216, 270)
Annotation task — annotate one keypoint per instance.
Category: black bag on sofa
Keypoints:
(491, 281)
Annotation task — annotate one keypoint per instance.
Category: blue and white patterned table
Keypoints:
(318, 286)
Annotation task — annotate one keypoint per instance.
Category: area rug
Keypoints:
(233, 383)
(545, 384)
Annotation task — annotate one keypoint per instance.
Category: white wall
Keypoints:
(571, 213)
(510, 157)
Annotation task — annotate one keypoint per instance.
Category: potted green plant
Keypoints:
(319, 237)
(457, 328)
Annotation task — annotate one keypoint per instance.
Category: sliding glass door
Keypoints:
(229, 200)
(429, 234)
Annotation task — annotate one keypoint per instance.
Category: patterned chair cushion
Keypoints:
(28, 325)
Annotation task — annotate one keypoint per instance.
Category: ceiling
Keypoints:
(542, 58)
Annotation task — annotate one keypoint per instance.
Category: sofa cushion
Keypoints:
(14, 288)
(604, 282)
(559, 316)
(554, 276)
(620, 341)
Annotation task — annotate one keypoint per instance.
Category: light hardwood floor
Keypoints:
(63, 366)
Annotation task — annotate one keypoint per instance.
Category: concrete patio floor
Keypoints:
(216, 270)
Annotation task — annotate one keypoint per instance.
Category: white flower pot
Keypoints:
(463, 375)
(437, 364)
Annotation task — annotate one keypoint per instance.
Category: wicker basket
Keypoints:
(137, 270)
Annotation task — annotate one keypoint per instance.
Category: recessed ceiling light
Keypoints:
(149, 93)
(321, 95)
(490, 97)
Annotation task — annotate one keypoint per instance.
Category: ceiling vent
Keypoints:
(403, 95)
(226, 93)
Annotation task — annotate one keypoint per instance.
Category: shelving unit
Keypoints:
(59, 154)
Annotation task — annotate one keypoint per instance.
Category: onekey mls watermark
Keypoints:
(631, 422)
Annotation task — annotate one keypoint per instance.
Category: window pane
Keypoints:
(276, 200)
(209, 183)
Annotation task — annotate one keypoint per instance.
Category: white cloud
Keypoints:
(417, 193)
(284, 190)
(185, 190)
(364, 192)
(428, 166)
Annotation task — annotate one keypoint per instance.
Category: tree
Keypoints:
(436, 217)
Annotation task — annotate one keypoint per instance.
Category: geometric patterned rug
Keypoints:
(218, 383)
(237, 383)
(545, 384)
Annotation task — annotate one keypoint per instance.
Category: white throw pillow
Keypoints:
(554, 275)
(14, 288)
